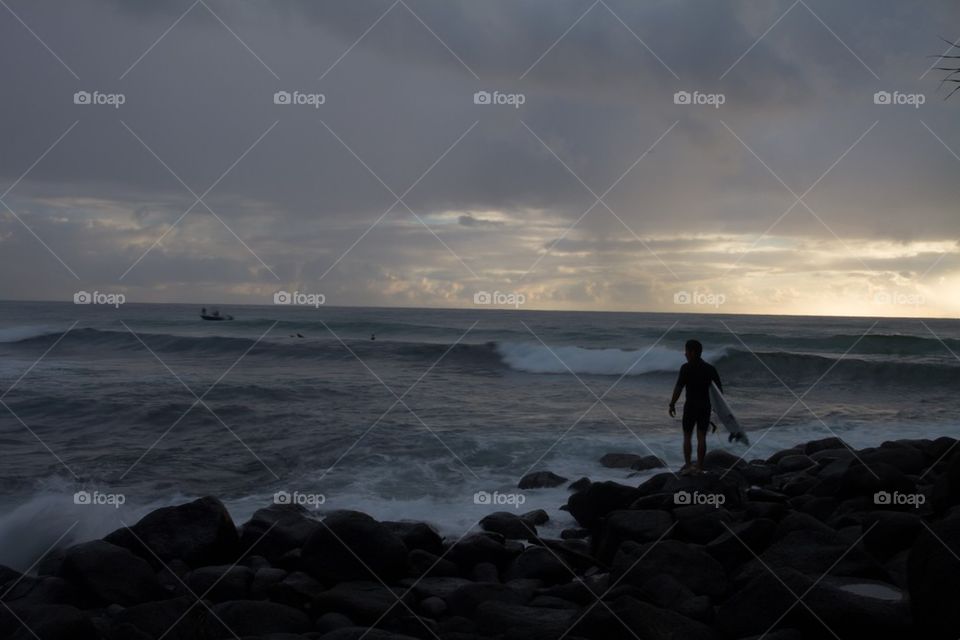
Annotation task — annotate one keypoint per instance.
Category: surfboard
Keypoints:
(725, 415)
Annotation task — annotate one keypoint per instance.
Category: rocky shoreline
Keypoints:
(818, 541)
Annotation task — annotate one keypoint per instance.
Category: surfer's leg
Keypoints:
(687, 439)
(703, 427)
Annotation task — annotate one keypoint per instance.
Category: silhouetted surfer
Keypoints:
(373, 337)
(696, 375)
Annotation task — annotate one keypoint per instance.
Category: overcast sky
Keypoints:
(797, 194)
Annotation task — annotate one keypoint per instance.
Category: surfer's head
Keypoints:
(693, 350)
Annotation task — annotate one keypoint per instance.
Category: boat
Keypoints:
(214, 315)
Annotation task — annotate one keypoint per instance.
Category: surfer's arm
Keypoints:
(677, 389)
(716, 378)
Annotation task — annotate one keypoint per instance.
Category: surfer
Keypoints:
(696, 375)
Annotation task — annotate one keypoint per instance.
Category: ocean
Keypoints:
(111, 412)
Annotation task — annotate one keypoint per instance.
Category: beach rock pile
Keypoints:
(818, 541)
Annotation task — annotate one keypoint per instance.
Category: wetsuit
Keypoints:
(696, 376)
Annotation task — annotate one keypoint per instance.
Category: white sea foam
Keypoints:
(537, 358)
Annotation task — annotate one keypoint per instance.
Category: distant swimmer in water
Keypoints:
(373, 337)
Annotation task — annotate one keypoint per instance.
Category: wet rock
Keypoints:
(631, 461)
(180, 618)
(45, 622)
(540, 564)
(629, 618)
(105, 574)
(541, 480)
(464, 600)
(424, 563)
(479, 547)
(522, 621)
(277, 529)
(201, 533)
(349, 545)
(254, 618)
(933, 575)
(600, 498)
(635, 525)
(688, 564)
(362, 601)
(509, 525)
(220, 583)
(417, 535)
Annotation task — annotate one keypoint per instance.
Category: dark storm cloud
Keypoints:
(202, 98)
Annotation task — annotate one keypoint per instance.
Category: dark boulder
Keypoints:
(890, 532)
(862, 480)
(540, 480)
(540, 564)
(479, 547)
(788, 599)
(741, 542)
(254, 618)
(628, 618)
(201, 533)
(107, 574)
(688, 564)
(510, 525)
(349, 545)
(424, 563)
(465, 600)
(636, 525)
(519, 621)
(631, 461)
(363, 602)
(600, 498)
(178, 618)
(45, 622)
(933, 575)
(220, 583)
(700, 523)
(417, 535)
(946, 488)
(277, 529)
